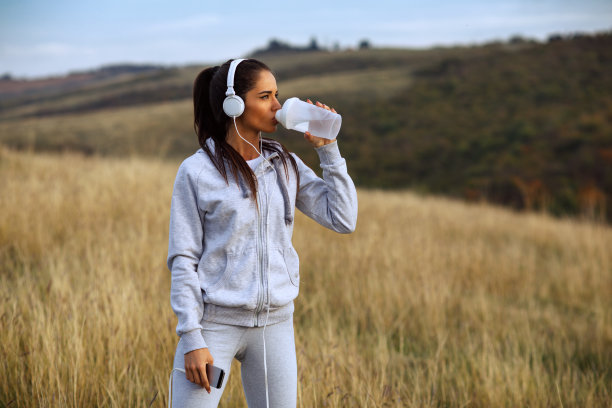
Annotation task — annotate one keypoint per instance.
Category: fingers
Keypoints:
(309, 137)
(204, 372)
(195, 367)
(204, 378)
(313, 140)
(321, 105)
(197, 375)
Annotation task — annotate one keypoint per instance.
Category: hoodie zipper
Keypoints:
(261, 252)
(262, 248)
(259, 265)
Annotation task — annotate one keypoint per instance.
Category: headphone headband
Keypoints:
(230, 76)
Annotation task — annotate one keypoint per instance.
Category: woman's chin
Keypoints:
(271, 129)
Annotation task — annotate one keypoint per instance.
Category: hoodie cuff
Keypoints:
(329, 153)
(193, 340)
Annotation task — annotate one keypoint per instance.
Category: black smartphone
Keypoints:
(215, 375)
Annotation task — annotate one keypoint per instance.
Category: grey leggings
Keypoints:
(227, 342)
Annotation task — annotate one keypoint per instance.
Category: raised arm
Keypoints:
(332, 200)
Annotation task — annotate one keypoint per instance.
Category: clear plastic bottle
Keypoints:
(305, 117)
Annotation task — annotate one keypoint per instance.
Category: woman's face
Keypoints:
(261, 104)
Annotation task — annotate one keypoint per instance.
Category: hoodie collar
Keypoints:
(271, 157)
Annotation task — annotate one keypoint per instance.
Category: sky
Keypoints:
(43, 38)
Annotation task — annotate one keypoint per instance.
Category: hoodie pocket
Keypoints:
(283, 276)
(238, 285)
(292, 261)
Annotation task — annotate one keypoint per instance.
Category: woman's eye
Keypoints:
(264, 97)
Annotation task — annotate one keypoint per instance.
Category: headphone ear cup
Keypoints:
(233, 106)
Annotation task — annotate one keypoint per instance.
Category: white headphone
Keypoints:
(233, 105)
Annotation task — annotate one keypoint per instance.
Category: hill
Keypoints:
(431, 302)
(525, 124)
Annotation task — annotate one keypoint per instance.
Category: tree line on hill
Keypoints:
(276, 47)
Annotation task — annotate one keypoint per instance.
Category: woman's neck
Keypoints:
(243, 148)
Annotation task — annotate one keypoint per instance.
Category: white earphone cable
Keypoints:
(260, 151)
(240, 136)
(170, 385)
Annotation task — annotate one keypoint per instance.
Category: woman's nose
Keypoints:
(277, 105)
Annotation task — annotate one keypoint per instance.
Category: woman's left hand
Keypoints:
(314, 140)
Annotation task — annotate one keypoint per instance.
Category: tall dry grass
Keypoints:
(429, 303)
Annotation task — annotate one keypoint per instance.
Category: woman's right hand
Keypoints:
(314, 140)
(195, 367)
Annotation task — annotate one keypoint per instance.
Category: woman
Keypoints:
(234, 271)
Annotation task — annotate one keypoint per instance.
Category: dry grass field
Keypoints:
(430, 303)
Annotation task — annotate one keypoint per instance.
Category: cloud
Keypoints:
(496, 22)
(45, 50)
(189, 23)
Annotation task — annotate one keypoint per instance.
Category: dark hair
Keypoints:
(211, 122)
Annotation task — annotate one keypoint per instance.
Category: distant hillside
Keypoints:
(520, 123)
(531, 128)
(11, 87)
(107, 87)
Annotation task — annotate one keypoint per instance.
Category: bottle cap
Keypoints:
(281, 116)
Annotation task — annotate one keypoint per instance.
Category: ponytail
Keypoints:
(204, 122)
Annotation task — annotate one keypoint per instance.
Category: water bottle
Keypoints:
(305, 117)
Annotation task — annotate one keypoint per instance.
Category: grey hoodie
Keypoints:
(229, 259)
